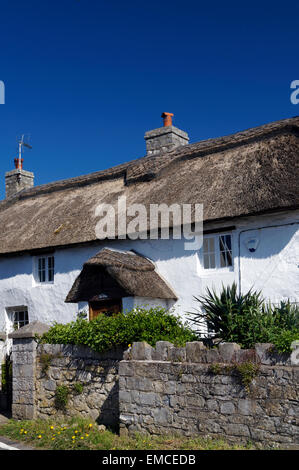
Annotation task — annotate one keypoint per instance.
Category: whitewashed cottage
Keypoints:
(52, 264)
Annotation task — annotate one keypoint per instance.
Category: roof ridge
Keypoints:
(126, 169)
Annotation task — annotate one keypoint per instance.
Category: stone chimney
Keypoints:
(18, 179)
(165, 138)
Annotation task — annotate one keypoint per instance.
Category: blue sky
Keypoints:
(87, 78)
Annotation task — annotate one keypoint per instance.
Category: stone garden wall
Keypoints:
(226, 392)
(59, 380)
(89, 383)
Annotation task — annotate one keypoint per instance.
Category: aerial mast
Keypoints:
(21, 144)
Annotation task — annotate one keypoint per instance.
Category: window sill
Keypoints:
(42, 284)
(212, 272)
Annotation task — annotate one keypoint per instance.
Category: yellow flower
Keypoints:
(53, 438)
(73, 437)
(81, 437)
(90, 425)
(129, 345)
(86, 435)
(58, 432)
(76, 432)
(39, 437)
(51, 427)
(25, 432)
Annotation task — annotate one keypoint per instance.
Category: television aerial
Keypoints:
(22, 142)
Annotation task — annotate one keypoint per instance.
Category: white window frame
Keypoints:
(218, 267)
(14, 321)
(49, 270)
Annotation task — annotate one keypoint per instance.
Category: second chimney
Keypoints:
(165, 138)
(18, 179)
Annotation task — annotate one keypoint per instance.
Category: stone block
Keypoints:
(227, 408)
(141, 351)
(177, 354)
(213, 356)
(263, 353)
(124, 396)
(50, 385)
(246, 407)
(246, 355)
(227, 351)
(23, 371)
(29, 331)
(127, 420)
(294, 359)
(126, 369)
(162, 416)
(161, 351)
(237, 430)
(212, 405)
(196, 352)
(148, 399)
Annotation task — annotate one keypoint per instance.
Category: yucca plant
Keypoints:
(227, 314)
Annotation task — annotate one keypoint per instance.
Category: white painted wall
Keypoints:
(272, 268)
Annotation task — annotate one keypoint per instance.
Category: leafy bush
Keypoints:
(107, 332)
(61, 397)
(246, 319)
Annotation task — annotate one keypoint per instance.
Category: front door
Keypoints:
(104, 307)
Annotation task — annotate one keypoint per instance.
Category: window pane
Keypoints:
(20, 318)
(51, 268)
(209, 261)
(228, 242)
(212, 261)
(206, 261)
(42, 269)
(222, 259)
(211, 244)
(225, 251)
(229, 258)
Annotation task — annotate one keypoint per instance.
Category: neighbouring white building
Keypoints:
(52, 264)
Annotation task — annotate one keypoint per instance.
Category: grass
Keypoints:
(81, 434)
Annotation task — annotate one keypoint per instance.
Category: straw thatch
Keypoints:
(113, 274)
(250, 172)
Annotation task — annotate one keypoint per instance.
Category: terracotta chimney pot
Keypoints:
(167, 119)
(18, 163)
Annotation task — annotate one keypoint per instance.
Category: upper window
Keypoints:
(45, 269)
(217, 251)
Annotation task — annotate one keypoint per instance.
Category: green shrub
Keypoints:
(247, 372)
(246, 319)
(107, 332)
(61, 397)
(282, 339)
(78, 388)
(45, 360)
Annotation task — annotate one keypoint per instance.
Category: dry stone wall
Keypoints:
(91, 380)
(241, 395)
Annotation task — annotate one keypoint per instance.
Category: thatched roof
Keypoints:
(250, 172)
(112, 274)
